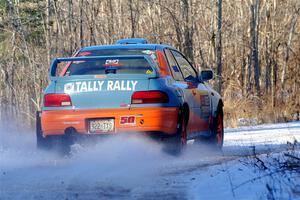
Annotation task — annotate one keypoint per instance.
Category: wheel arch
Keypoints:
(185, 111)
(219, 108)
(220, 105)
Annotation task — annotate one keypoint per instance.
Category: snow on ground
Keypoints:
(136, 168)
(273, 134)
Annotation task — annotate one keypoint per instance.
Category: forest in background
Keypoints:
(252, 45)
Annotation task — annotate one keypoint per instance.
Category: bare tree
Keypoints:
(254, 32)
(219, 47)
(288, 46)
(188, 30)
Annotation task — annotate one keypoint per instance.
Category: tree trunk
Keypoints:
(187, 31)
(81, 24)
(268, 51)
(132, 18)
(219, 48)
(287, 51)
(249, 75)
(48, 36)
(111, 21)
(70, 25)
(212, 47)
(243, 71)
(254, 45)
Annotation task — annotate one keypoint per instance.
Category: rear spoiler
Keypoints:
(56, 61)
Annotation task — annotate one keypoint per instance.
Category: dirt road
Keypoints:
(136, 168)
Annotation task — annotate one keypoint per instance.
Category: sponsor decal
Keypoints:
(149, 71)
(127, 120)
(116, 61)
(112, 63)
(205, 106)
(175, 68)
(94, 86)
(151, 53)
(204, 100)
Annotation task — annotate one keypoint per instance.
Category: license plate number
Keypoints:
(101, 125)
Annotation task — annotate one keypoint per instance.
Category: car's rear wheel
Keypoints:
(175, 144)
(183, 132)
(60, 144)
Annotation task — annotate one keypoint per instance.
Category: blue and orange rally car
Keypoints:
(131, 86)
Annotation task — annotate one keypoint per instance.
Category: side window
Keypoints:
(188, 72)
(173, 65)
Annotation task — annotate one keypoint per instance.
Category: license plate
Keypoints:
(101, 125)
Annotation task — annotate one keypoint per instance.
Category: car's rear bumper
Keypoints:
(149, 119)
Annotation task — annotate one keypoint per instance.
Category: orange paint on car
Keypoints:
(197, 124)
(162, 119)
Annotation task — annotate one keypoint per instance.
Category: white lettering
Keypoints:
(95, 88)
(92, 86)
(123, 85)
(77, 86)
(90, 89)
(100, 83)
(128, 86)
(110, 85)
(133, 85)
(117, 85)
(83, 87)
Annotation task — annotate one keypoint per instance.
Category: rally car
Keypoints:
(129, 87)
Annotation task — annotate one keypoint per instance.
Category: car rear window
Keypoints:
(110, 66)
(125, 66)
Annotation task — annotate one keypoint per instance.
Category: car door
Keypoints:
(196, 95)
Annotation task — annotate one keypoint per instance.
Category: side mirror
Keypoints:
(206, 75)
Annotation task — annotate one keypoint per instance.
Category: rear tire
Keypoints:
(60, 144)
(176, 144)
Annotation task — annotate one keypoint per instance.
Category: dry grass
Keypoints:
(248, 109)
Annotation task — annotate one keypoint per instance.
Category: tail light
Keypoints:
(146, 97)
(57, 100)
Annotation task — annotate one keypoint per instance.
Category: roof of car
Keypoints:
(127, 46)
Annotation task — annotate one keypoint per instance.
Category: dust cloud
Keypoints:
(114, 166)
(126, 157)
